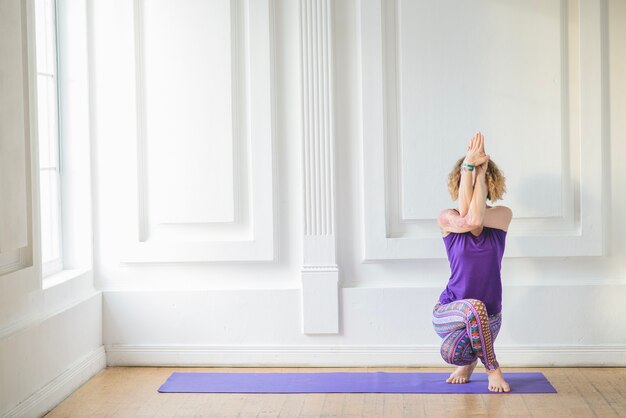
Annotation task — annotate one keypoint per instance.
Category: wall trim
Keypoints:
(354, 356)
(38, 317)
(320, 273)
(50, 395)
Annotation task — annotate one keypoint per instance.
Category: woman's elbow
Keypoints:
(463, 221)
(474, 221)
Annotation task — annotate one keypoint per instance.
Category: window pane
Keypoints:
(40, 30)
(45, 36)
(43, 110)
(50, 36)
(50, 231)
(51, 105)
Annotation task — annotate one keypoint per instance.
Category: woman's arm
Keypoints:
(475, 156)
(498, 217)
(452, 221)
(466, 190)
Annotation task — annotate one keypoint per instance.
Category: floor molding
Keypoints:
(354, 356)
(46, 398)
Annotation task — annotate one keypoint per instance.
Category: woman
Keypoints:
(468, 313)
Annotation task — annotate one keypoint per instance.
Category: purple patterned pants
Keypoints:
(467, 332)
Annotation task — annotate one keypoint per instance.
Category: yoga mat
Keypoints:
(346, 382)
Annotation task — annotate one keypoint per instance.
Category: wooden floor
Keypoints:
(132, 392)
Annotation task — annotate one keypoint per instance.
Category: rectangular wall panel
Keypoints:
(18, 98)
(200, 186)
(188, 111)
(14, 131)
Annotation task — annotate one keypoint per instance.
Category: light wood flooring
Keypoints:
(132, 392)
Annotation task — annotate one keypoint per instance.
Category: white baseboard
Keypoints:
(354, 356)
(46, 398)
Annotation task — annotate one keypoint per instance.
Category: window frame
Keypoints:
(56, 265)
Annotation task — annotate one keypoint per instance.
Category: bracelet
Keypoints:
(467, 167)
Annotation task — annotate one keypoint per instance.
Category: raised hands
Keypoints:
(476, 151)
(475, 156)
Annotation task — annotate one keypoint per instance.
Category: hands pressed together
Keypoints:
(476, 155)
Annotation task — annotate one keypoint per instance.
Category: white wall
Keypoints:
(228, 279)
(50, 329)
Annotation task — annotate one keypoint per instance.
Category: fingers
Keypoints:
(472, 143)
(477, 143)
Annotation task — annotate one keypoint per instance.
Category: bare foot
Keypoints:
(497, 382)
(462, 373)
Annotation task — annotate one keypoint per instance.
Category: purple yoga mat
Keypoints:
(346, 382)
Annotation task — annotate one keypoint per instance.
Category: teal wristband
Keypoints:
(468, 167)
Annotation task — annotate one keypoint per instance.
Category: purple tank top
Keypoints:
(475, 263)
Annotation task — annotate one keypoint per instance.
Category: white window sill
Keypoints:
(64, 276)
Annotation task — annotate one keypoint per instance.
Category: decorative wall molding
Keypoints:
(14, 260)
(389, 234)
(354, 355)
(250, 236)
(317, 115)
(37, 317)
(18, 127)
(319, 271)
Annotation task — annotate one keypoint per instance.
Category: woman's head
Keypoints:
(495, 181)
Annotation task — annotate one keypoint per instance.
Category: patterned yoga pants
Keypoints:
(467, 332)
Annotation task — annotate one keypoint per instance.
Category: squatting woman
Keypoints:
(468, 313)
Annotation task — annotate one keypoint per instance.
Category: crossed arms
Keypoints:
(473, 212)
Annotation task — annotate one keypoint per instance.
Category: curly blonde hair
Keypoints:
(495, 181)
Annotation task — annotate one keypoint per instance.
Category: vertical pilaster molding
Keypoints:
(320, 311)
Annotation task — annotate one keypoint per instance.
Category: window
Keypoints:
(49, 138)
